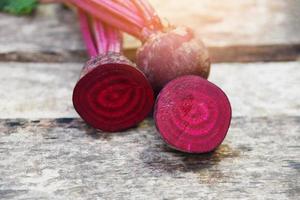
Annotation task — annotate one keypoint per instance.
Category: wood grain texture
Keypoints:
(41, 90)
(52, 34)
(37, 90)
(234, 31)
(65, 159)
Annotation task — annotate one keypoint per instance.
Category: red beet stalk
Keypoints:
(111, 94)
(192, 114)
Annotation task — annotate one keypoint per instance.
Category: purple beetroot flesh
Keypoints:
(112, 95)
(192, 114)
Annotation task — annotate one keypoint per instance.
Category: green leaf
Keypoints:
(18, 7)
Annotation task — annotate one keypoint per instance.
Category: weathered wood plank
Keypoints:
(238, 31)
(35, 90)
(51, 35)
(260, 89)
(234, 22)
(40, 90)
(65, 159)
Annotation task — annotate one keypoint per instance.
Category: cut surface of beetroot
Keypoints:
(192, 114)
(112, 95)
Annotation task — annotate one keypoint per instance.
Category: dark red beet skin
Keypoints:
(172, 53)
(112, 95)
(192, 114)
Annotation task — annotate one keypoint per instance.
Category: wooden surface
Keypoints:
(47, 152)
(44, 90)
(234, 31)
(65, 159)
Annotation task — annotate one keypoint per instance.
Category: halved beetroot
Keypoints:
(192, 114)
(112, 95)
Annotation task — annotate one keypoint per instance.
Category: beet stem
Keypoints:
(86, 33)
(149, 14)
(136, 18)
(121, 11)
(112, 35)
(129, 5)
(134, 7)
(146, 13)
(104, 15)
(100, 38)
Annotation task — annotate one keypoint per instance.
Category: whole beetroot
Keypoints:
(171, 54)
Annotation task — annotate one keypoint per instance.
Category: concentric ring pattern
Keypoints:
(192, 114)
(113, 96)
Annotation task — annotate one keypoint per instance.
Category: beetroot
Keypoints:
(167, 52)
(168, 55)
(112, 94)
(192, 114)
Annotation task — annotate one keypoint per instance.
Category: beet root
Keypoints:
(192, 114)
(171, 54)
(112, 95)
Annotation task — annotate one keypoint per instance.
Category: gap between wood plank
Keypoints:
(65, 159)
(242, 53)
